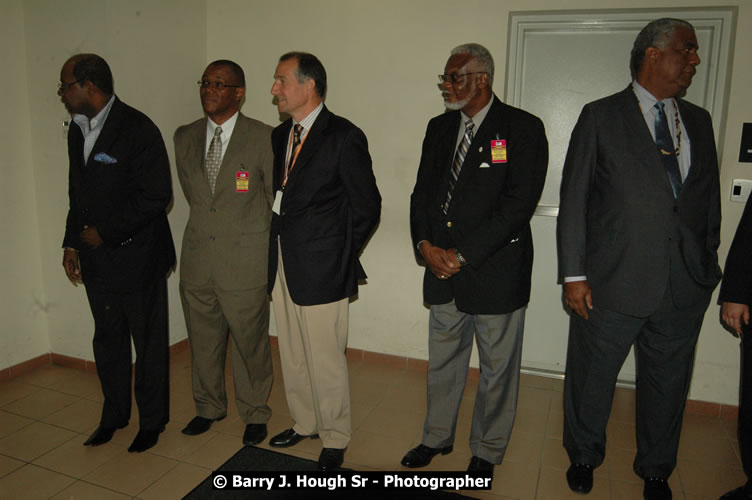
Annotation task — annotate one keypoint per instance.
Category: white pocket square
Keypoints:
(484, 165)
(105, 158)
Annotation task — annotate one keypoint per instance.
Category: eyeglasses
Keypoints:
(456, 77)
(62, 86)
(216, 85)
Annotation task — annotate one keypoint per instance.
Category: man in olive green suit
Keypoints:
(224, 164)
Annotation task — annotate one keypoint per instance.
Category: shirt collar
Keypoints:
(227, 127)
(480, 115)
(307, 122)
(98, 121)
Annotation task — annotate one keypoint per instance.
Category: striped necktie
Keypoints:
(459, 159)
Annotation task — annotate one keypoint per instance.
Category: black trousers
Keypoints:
(745, 404)
(142, 316)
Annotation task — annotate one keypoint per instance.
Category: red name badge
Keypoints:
(499, 151)
(241, 182)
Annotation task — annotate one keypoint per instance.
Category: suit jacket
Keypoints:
(226, 238)
(488, 220)
(122, 190)
(329, 208)
(619, 223)
(737, 278)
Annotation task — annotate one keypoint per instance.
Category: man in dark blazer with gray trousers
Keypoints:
(472, 230)
(638, 232)
(118, 241)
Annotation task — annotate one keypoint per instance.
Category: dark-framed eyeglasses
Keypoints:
(62, 86)
(456, 77)
(204, 84)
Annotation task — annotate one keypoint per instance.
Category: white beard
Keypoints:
(458, 105)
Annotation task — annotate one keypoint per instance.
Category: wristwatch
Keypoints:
(460, 258)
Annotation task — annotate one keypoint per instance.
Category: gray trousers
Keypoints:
(664, 347)
(450, 344)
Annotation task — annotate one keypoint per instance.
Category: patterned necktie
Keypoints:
(459, 159)
(214, 158)
(295, 144)
(666, 149)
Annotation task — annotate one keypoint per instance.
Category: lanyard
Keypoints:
(291, 163)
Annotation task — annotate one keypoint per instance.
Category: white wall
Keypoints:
(382, 59)
(24, 332)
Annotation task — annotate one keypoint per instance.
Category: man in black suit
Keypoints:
(735, 298)
(118, 242)
(638, 233)
(481, 173)
(326, 206)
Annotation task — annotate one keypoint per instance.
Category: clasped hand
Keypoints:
(442, 263)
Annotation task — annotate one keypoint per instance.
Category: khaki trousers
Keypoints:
(312, 343)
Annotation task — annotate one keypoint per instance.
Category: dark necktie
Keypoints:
(459, 159)
(667, 150)
(295, 144)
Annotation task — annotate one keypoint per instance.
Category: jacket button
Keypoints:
(449, 223)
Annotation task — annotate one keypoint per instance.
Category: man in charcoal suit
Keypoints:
(638, 232)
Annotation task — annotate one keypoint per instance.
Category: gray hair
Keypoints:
(480, 55)
(656, 34)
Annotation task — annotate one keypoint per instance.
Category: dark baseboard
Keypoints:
(694, 407)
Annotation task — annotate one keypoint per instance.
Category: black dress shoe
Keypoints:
(101, 435)
(580, 478)
(145, 439)
(331, 459)
(421, 455)
(478, 464)
(199, 425)
(740, 493)
(656, 488)
(254, 434)
(288, 438)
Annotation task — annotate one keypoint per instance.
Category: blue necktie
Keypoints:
(667, 150)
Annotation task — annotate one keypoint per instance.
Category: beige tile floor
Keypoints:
(46, 415)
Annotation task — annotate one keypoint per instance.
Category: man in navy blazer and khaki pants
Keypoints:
(638, 233)
(118, 241)
(470, 223)
(326, 205)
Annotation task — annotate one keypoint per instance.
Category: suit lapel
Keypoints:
(232, 154)
(479, 148)
(312, 143)
(689, 126)
(109, 133)
(640, 140)
(196, 153)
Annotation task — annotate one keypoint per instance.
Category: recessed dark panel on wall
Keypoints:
(745, 153)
